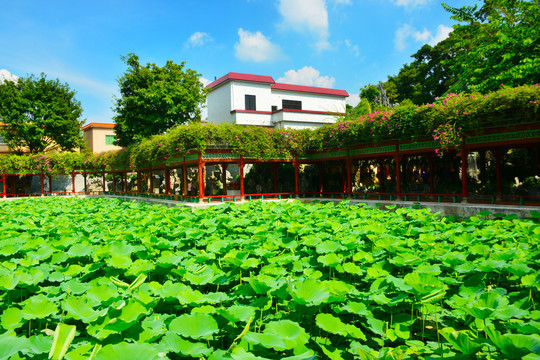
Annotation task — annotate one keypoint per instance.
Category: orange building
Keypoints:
(99, 137)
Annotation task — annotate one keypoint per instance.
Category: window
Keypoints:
(109, 139)
(2, 142)
(292, 104)
(274, 108)
(250, 102)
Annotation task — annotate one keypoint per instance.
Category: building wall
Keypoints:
(253, 118)
(262, 92)
(230, 96)
(300, 120)
(220, 110)
(95, 139)
(315, 102)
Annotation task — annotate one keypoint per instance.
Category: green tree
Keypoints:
(153, 99)
(503, 38)
(427, 77)
(369, 92)
(38, 113)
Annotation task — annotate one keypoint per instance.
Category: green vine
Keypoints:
(447, 120)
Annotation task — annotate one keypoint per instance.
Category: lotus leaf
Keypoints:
(10, 345)
(128, 351)
(195, 326)
(38, 307)
(177, 344)
(310, 292)
(331, 324)
(11, 318)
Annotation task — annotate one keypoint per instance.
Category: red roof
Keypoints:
(240, 76)
(309, 89)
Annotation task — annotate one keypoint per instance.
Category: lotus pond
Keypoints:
(107, 279)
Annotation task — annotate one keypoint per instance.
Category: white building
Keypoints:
(246, 99)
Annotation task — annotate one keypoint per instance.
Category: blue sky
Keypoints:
(342, 44)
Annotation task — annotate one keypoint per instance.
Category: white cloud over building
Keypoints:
(406, 32)
(256, 47)
(307, 76)
(306, 17)
(198, 39)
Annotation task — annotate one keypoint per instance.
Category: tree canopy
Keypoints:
(153, 99)
(37, 113)
(496, 43)
(503, 42)
(427, 77)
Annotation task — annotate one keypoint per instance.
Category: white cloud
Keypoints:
(198, 39)
(353, 99)
(401, 36)
(442, 33)
(6, 75)
(204, 81)
(307, 76)
(352, 48)
(411, 3)
(307, 16)
(256, 47)
(406, 32)
(421, 36)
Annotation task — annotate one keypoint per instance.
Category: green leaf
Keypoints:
(11, 345)
(11, 318)
(177, 344)
(514, 346)
(9, 282)
(309, 292)
(331, 324)
(38, 307)
(133, 311)
(461, 340)
(128, 351)
(279, 335)
(80, 309)
(195, 326)
(63, 336)
(331, 260)
(237, 313)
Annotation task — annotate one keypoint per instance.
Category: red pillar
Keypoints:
(184, 179)
(113, 181)
(50, 184)
(139, 182)
(224, 177)
(4, 183)
(201, 177)
(85, 183)
(464, 174)
(241, 166)
(73, 182)
(103, 179)
(397, 159)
